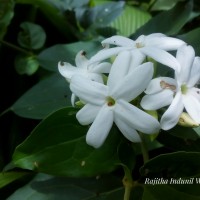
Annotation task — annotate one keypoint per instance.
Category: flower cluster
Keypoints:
(119, 99)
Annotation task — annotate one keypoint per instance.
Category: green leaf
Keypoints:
(99, 16)
(184, 132)
(164, 5)
(32, 36)
(192, 38)
(173, 165)
(168, 22)
(44, 98)
(130, 20)
(6, 15)
(45, 187)
(26, 64)
(185, 140)
(50, 57)
(62, 150)
(8, 177)
(163, 192)
(68, 4)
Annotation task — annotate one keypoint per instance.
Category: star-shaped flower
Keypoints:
(154, 45)
(180, 93)
(83, 68)
(109, 103)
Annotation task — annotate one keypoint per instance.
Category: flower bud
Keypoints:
(186, 121)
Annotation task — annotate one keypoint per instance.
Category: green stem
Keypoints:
(127, 182)
(127, 187)
(145, 152)
(15, 47)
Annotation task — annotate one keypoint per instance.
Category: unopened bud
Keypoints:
(186, 121)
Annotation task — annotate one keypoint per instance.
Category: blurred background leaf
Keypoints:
(32, 36)
(6, 15)
(45, 187)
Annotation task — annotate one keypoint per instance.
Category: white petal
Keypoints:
(192, 106)
(161, 56)
(195, 72)
(100, 128)
(119, 41)
(171, 116)
(101, 68)
(136, 58)
(129, 132)
(95, 77)
(160, 83)
(80, 60)
(67, 70)
(119, 68)
(155, 35)
(87, 114)
(73, 98)
(89, 91)
(195, 92)
(136, 118)
(134, 83)
(165, 43)
(107, 53)
(185, 56)
(157, 100)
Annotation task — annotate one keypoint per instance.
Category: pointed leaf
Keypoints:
(62, 150)
(8, 177)
(44, 98)
(173, 20)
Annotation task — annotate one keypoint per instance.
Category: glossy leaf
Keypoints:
(32, 36)
(8, 177)
(177, 164)
(50, 57)
(130, 20)
(61, 148)
(45, 187)
(192, 38)
(44, 98)
(168, 22)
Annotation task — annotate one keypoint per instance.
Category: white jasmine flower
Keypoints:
(83, 68)
(154, 45)
(109, 103)
(180, 92)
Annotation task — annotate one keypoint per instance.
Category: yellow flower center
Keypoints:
(110, 101)
(139, 45)
(184, 89)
